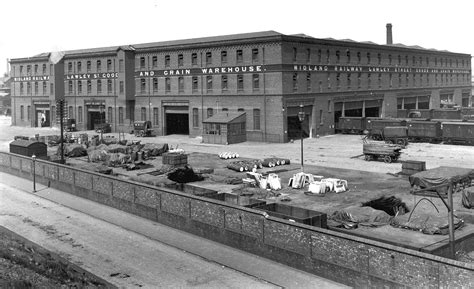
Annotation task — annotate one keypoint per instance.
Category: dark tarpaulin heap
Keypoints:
(440, 176)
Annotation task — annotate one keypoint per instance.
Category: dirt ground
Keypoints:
(335, 156)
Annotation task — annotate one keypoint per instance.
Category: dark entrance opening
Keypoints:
(353, 112)
(42, 118)
(93, 118)
(294, 127)
(177, 123)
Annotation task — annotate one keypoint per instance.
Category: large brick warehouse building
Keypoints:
(268, 77)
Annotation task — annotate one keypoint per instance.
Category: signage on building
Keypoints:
(104, 75)
(94, 102)
(41, 102)
(31, 78)
(202, 71)
(377, 69)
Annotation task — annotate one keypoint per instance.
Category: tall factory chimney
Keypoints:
(389, 34)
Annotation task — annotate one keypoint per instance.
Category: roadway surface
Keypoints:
(132, 252)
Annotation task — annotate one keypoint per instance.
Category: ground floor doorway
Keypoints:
(42, 117)
(177, 123)
(294, 127)
(94, 118)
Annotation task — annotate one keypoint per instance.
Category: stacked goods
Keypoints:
(155, 149)
(117, 159)
(228, 155)
(271, 162)
(242, 166)
(116, 148)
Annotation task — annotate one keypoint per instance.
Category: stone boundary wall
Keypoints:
(355, 261)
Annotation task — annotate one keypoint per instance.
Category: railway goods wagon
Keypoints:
(376, 126)
(351, 124)
(424, 131)
(396, 135)
(446, 114)
(458, 132)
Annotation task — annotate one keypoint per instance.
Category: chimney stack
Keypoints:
(389, 34)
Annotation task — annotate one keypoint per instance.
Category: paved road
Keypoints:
(133, 252)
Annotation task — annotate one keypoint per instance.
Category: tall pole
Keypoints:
(451, 221)
(61, 117)
(301, 119)
(34, 173)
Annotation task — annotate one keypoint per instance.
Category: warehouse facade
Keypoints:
(269, 76)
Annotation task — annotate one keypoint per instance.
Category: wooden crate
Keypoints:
(175, 159)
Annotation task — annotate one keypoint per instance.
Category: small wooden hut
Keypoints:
(225, 128)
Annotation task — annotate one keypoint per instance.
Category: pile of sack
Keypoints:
(272, 181)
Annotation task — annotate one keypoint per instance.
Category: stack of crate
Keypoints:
(175, 159)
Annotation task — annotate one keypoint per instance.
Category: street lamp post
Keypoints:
(34, 173)
(301, 119)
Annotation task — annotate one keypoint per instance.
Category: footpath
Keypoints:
(130, 251)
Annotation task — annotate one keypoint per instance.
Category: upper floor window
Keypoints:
(154, 61)
(36, 88)
(180, 60)
(194, 59)
(181, 84)
(348, 54)
(328, 55)
(155, 84)
(399, 59)
(195, 84)
(167, 84)
(45, 87)
(21, 87)
(21, 69)
(109, 85)
(69, 67)
(88, 66)
(109, 64)
(308, 82)
(390, 59)
(256, 81)
(99, 86)
(295, 81)
(142, 85)
(295, 54)
(208, 58)
(79, 87)
(79, 66)
(142, 62)
(210, 112)
(240, 82)
(319, 55)
(255, 54)
(240, 56)
(379, 58)
(70, 86)
(359, 58)
(209, 83)
(167, 61)
(28, 69)
(36, 68)
(44, 68)
(308, 55)
(99, 65)
(406, 59)
(89, 86)
(224, 57)
(224, 83)
(349, 80)
(368, 57)
(338, 56)
(121, 65)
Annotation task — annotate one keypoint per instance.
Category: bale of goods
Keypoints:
(97, 155)
(117, 159)
(116, 148)
(75, 150)
(155, 149)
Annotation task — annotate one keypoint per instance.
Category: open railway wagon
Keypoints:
(396, 135)
(424, 131)
(388, 152)
(375, 126)
(351, 124)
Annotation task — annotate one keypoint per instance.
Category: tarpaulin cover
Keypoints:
(441, 175)
(366, 216)
(427, 223)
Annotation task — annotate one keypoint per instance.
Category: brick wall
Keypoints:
(348, 259)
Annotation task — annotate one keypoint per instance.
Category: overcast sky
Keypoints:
(31, 27)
